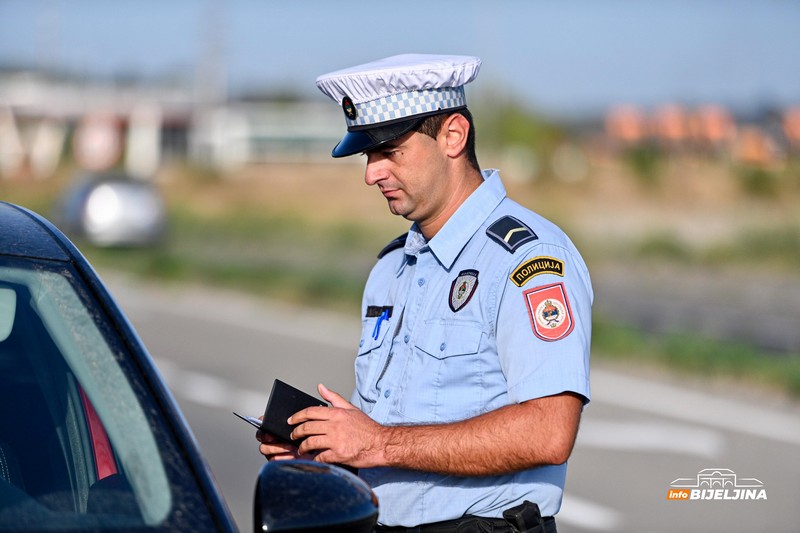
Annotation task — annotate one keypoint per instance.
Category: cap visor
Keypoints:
(356, 142)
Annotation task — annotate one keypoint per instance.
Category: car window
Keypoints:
(8, 308)
(77, 449)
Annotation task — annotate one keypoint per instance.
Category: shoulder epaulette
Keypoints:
(510, 233)
(394, 245)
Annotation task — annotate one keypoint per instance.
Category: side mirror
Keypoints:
(304, 496)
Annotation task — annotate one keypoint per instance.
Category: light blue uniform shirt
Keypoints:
(473, 326)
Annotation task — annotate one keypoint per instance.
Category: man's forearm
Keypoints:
(515, 437)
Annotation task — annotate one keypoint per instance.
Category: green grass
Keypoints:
(274, 257)
(691, 354)
(778, 247)
(289, 257)
(326, 267)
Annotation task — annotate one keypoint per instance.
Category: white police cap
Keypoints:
(385, 99)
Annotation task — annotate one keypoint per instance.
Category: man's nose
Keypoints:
(374, 171)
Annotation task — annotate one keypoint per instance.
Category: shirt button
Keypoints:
(421, 282)
(442, 347)
(406, 339)
(386, 393)
(361, 344)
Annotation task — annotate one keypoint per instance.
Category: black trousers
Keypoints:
(471, 524)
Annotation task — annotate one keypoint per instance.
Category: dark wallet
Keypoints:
(284, 401)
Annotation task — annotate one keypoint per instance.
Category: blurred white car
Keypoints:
(112, 209)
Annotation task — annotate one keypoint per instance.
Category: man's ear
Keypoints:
(456, 130)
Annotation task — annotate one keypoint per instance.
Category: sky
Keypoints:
(557, 57)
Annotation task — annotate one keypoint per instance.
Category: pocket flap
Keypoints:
(451, 340)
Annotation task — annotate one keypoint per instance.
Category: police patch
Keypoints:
(533, 267)
(463, 288)
(549, 311)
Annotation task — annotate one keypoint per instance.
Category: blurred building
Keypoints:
(140, 125)
(706, 130)
(791, 128)
(627, 125)
(46, 117)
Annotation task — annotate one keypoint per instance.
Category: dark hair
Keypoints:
(431, 126)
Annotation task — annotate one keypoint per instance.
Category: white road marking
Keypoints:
(584, 514)
(650, 437)
(210, 391)
(205, 390)
(693, 406)
(222, 307)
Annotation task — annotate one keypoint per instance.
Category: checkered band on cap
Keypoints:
(407, 104)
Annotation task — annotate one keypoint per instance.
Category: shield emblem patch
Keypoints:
(463, 288)
(549, 310)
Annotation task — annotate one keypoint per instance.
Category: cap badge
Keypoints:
(349, 108)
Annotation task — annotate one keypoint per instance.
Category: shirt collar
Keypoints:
(470, 216)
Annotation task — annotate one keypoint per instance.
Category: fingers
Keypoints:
(281, 451)
(273, 449)
(285, 452)
(282, 456)
(321, 413)
(333, 398)
(278, 450)
(313, 427)
(307, 429)
(313, 436)
(306, 446)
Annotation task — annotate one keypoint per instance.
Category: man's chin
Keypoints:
(403, 214)
(396, 209)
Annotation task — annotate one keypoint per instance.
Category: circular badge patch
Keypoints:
(550, 313)
(349, 108)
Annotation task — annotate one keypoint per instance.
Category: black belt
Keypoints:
(471, 524)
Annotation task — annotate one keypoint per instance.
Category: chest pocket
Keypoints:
(446, 384)
(371, 359)
(450, 340)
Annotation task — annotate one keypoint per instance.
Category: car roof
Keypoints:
(26, 234)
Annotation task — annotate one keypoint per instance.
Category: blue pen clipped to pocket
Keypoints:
(377, 330)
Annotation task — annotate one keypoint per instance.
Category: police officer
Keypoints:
(473, 365)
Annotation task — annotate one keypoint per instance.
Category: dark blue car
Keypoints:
(90, 437)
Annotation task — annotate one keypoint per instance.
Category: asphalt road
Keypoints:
(760, 309)
(640, 438)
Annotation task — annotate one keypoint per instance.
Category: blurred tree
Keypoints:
(510, 124)
(645, 160)
(758, 180)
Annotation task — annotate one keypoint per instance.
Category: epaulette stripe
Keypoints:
(399, 242)
(510, 233)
